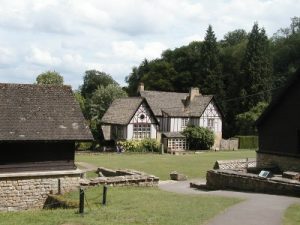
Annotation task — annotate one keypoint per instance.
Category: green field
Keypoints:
(128, 205)
(192, 165)
(292, 215)
(139, 205)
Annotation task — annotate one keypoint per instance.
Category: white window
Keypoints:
(184, 123)
(177, 144)
(211, 124)
(141, 131)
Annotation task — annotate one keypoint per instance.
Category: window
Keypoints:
(141, 131)
(211, 124)
(184, 123)
(177, 143)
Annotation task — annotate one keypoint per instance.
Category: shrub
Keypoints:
(248, 142)
(145, 145)
(199, 137)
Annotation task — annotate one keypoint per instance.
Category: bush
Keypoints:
(145, 145)
(248, 142)
(199, 138)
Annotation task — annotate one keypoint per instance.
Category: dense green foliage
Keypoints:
(50, 78)
(145, 145)
(245, 121)
(96, 94)
(248, 142)
(199, 138)
(241, 69)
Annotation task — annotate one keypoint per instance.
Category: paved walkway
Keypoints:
(257, 209)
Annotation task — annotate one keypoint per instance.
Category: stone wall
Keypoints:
(21, 191)
(232, 180)
(285, 163)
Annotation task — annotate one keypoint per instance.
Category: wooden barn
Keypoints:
(279, 129)
(39, 125)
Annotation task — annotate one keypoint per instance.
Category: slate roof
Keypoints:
(122, 110)
(40, 112)
(176, 104)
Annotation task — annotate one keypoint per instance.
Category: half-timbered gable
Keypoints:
(130, 118)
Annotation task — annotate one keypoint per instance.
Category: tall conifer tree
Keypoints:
(210, 80)
(256, 69)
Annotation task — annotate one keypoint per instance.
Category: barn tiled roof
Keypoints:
(176, 104)
(122, 110)
(40, 112)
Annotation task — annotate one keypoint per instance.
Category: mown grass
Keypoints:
(128, 205)
(192, 165)
(292, 215)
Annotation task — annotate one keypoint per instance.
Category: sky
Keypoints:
(113, 36)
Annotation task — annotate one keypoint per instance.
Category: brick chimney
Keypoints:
(194, 91)
(140, 87)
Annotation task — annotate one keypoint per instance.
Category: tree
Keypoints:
(234, 37)
(102, 99)
(245, 121)
(50, 78)
(92, 80)
(256, 69)
(199, 138)
(210, 79)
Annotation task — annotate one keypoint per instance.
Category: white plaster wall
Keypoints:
(129, 131)
(153, 131)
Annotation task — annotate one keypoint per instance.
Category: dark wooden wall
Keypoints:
(279, 132)
(36, 156)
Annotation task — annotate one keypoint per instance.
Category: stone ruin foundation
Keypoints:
(29, 190)
(243, 175)
(122, 177)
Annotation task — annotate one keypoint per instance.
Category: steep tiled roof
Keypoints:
(40, 112)
(176, 104)
(122, 110)
(159, 100)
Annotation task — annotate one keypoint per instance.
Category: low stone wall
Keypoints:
(284, 163)
(21, 191)
(120, 177)
(235, 164)
(228, 179)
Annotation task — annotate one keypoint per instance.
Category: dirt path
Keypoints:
(85, 167)
(257, 209)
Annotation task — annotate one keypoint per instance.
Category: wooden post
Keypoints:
(81, 201)
(104, 195)
(162, 149)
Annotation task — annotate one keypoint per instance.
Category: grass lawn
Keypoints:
(128, 205)
(292, 215)
(192, 165)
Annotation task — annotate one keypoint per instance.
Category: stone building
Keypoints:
(39, 125)
(279, 129)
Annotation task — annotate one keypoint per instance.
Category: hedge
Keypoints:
(248, 142)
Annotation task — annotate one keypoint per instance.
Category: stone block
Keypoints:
(177, 176)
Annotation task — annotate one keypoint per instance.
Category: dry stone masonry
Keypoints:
(22, 191)
(122, 178)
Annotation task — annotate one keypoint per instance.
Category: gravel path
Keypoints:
(257, 209)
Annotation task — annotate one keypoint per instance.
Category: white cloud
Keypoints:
(130, 51)
(113, 36)
(42, 57)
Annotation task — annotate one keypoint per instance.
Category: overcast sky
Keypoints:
(112, 36)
